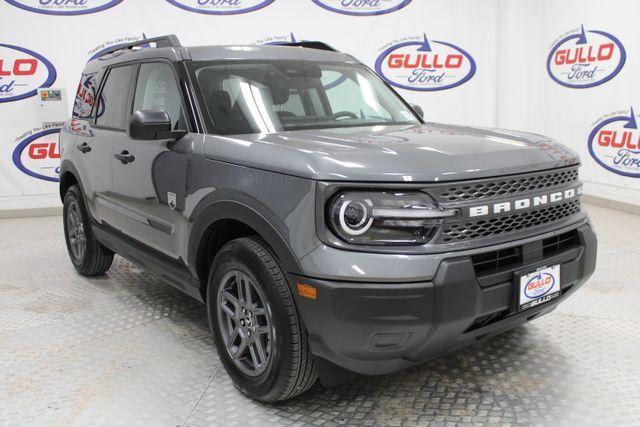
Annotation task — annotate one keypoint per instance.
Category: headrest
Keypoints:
(279, 95)
(219, 99)
(209, 80)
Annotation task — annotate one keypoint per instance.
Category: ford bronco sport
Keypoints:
(329, 229)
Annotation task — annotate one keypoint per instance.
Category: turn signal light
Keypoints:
(307, 291)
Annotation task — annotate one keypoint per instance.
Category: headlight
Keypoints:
(385, 218)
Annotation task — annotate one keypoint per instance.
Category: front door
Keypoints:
(146, 215)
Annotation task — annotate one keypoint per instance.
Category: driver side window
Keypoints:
(157, 89)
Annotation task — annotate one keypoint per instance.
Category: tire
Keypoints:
(90, 258)
(288, 368)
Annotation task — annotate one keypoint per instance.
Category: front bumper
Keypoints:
(377, 328)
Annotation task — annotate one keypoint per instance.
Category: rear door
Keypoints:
(108, 129)
(149, 211)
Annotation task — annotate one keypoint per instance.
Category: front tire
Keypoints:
(88, 255)
(258, 333)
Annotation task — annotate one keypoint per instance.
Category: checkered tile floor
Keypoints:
(128, 350)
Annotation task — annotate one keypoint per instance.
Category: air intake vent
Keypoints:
(496, 260)
(562, 242)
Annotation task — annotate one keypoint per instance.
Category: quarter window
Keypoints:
(85, 96)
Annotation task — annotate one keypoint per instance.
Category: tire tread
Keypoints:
(301, 373)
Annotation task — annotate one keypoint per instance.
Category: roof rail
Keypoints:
(170, 40)
(310, 45)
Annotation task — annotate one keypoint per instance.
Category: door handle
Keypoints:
(84, 147)
(124, 157)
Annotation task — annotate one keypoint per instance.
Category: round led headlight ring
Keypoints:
(355, 217)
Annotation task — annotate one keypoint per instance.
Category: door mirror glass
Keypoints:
(150, 125)
(418, 110)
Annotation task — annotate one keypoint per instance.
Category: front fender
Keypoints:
(211, 209)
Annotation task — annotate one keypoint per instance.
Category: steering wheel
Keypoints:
(339, 114)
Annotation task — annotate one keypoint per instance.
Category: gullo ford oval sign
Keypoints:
(362, 7)
(38, 155)
(221, 7)
(614, 144)
(22, 72)
(64, 7)
(539, 285)
(425, 65)
(586, 59)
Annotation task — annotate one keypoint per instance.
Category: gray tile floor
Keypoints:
(129, 350)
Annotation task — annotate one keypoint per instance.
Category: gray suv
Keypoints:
(329, 229)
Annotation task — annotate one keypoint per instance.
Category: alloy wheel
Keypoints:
(244, 320)
(75, 231)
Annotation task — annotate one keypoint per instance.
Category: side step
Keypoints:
(168, 269)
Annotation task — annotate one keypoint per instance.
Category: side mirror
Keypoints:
(418, 110)
(149, 125)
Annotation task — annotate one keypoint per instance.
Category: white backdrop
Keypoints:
(503, 80)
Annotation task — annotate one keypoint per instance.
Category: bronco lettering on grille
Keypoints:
(524, 203)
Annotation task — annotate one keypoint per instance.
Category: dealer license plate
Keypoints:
(539, 286)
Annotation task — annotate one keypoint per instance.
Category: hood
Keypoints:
(417, 153)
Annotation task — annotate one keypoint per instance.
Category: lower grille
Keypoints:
(490, 262)
(555, 245)
(483, 228)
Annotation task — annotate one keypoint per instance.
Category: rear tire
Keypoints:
(88, 255)
(259, 336)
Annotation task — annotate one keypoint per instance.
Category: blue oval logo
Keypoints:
(539, 285)
(22, 72)
(424, 65)
(38, 155)
(64, 7)
(221, 7)
(614, 144)
(362, 7)
(586, 59)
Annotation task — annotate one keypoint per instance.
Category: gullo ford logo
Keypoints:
(425, 65)
(22, 72)
(614, 143)
(221, 7)
(539, 285)
(64, 7)
(362, 7)
(586, 59)
(38, 153)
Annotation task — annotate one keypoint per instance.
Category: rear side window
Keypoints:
(157, 89)
(85, 96)
(112, 108)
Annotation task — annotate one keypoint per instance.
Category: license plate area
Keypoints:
(538, 286)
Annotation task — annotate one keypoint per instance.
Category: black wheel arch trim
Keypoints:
(67, 167)
(209, 212)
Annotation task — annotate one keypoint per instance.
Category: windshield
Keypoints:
(272, 96)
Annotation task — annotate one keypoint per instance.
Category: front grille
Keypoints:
(496, 188)
(473, 229)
